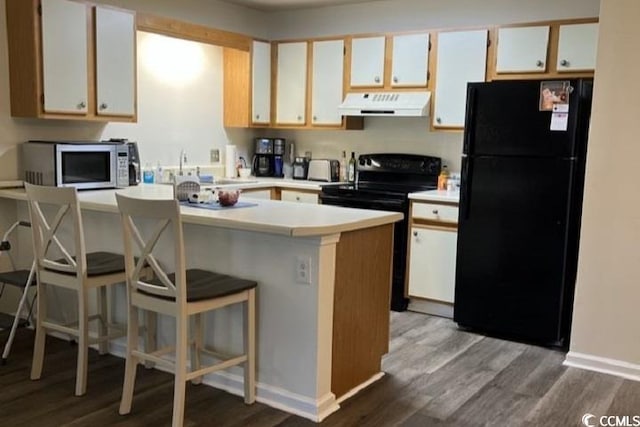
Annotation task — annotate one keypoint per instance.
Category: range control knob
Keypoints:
(362, 161)
(368, 161)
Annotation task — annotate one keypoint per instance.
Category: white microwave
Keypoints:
(79, 164)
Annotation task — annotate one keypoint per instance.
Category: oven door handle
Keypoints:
(353, 202)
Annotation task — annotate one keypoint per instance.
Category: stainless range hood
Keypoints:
(399, 104)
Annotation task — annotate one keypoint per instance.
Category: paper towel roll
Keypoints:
(230, 161)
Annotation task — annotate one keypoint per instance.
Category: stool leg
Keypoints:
(195, 348)
(250, 349)
(83, 343)
(179, 390)
(103, 346)
(131, 361)
(16, 320)
(41, 333)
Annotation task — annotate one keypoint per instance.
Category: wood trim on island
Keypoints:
(361, 306)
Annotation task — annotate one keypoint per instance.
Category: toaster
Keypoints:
(324, 170)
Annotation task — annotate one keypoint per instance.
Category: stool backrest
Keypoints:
(164, 216)
(46, 229)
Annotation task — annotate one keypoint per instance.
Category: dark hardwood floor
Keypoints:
(436, 376)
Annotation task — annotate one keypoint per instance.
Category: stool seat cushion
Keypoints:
(202, 285)
(16, 278)
(99, 264)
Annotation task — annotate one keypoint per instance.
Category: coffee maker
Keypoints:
(279, 153)
(263, 160)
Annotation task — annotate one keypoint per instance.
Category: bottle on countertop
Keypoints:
(351, 173)
(147, 174)
(343, 166)
(159, 175)
(443, 178)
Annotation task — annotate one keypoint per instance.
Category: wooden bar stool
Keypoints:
(74, 270)
(181, 295)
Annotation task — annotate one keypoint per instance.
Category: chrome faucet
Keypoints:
(183, 159)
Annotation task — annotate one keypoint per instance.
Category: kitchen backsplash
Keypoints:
(380, 134)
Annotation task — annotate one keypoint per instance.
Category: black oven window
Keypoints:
(85, 167)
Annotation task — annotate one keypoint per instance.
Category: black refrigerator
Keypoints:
(520, 207)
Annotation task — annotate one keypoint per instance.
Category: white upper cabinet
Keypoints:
(64, 56)
(367, 61)
(291, 83)
(410, 60)
(577, 46)
(522, 49)
(261, 83)
(461, 58)
(326, 91)
(115, 62)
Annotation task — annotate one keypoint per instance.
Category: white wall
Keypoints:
(406, 15)
(606, 321)
(179, 101)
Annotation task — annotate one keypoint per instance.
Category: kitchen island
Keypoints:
(321, 335)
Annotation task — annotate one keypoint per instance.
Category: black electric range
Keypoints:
(383, 182)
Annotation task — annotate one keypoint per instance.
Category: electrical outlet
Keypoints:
(303, 270)
(214, 155)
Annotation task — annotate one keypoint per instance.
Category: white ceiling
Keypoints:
(279, 5)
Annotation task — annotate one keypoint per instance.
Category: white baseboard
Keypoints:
(604, 365)
(293, 403)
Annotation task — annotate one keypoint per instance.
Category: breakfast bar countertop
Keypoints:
(268, 216)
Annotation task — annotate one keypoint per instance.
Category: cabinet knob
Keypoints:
(257, 116)
(395, 79)
(103, 106)
(376, 79)
(299, 118)
(82, 105)
(564, 63)
(415, 234)
(298, 198)
(435, 211)
(539, 63)
(438, 120)
(315, 118)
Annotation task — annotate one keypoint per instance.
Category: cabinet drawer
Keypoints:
(435, 212)
(298, 196)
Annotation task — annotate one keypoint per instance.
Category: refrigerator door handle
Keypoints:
(469, 128)
(465, 195)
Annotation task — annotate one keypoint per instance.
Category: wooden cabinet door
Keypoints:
(261, 83)
(291, 83)
(326, 91)
(367, 61)
(461, 58)
(65, 56)
(522, 49)
(577, 47)
(432, 264)
(410, 60)
(298, 196)
(115, 62)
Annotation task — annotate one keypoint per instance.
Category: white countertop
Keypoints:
(436, 196)
(269, 216)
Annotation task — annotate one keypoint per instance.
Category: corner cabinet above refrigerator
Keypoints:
(520, 208)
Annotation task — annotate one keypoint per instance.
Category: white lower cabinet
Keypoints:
(432, 264)
(299, 197)
(433, 241)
